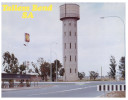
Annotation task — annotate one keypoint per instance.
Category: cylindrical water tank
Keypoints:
(69, 11)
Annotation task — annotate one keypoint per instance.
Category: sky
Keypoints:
(98, 39)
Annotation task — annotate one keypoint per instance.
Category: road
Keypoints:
(78, 89)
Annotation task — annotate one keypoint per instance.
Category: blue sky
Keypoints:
(98, 39)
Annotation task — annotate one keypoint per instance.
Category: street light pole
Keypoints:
(50, 65)
(26, 62)
(51, 59)
(115, 17)
(56, 66)
(56, 70)
(120, 20)
(101, 72)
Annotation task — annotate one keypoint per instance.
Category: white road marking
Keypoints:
(81, 83)
(8, 89)
(62, 91)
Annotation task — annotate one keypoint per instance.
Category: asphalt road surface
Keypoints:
(78, 89)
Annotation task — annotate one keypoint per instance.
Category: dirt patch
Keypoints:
(116, 94)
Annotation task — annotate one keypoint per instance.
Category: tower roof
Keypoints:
(69, 11)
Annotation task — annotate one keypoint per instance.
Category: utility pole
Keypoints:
(120, 20)
(56, 70)
(51, 61)
(101, 72)
(50, 65)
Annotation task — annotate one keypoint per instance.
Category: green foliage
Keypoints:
(122, 67)
(112, 67)
(45, 70)
(37, 70)
(10, 63)
(59, 65)
(81, 75)
(93, 75)
(22, 68)
(61, 72)
(30, 71)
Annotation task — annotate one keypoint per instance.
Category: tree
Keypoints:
(10, 63)
(112, 67)
(22, 68)
(122, 67)
(54, 64)
(37, 70)
(93, 75)
(30, 71)
(59, 65)
(81, 75)
(61, 72)
(43, 68)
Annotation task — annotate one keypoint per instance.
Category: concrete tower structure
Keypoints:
(69, 14)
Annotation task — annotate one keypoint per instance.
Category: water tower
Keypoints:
(69, 14)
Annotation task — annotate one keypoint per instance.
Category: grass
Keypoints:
(116, 94)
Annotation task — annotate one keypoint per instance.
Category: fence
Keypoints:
(111, 87)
